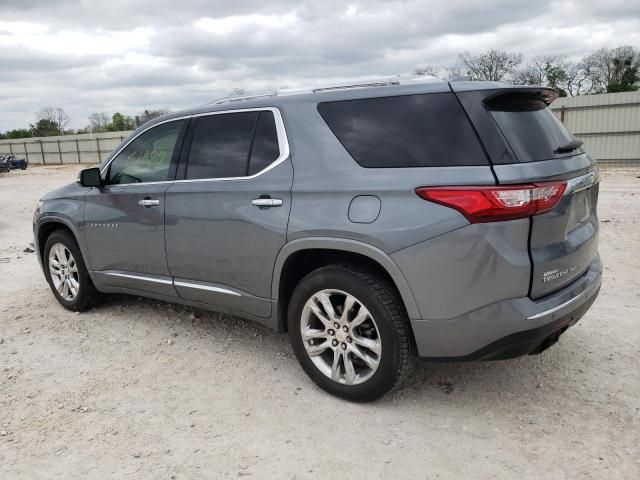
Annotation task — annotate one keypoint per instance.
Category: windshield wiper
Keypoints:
(569, 147)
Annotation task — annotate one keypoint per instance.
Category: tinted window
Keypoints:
(533, 132)
(148, 157)
(265, 144)
(407, 131)
(220, 146)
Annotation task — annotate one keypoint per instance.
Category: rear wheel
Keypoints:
(66, 272)
(350, 333)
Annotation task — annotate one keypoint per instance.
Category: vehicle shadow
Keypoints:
(483, 383)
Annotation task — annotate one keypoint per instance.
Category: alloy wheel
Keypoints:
(64, 272)
(341, 337)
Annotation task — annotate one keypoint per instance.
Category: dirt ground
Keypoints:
(141, 389)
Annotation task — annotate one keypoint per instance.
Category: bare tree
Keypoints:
(147, 115)
(99, 122)
(450, 72)
(427, 70)
(547, 70)
(238, 92)
(55, 115)
(578, 81)
(494, 65)
(454, 72)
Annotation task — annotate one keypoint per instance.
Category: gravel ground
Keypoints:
(138, 388)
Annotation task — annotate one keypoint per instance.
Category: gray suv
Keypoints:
(374, 223)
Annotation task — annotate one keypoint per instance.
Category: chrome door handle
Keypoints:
(148, 202)
(266, 202)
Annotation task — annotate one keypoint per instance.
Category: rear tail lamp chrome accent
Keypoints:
(494, 204)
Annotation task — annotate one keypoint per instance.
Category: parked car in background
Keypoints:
(373, 222)
(13, 163)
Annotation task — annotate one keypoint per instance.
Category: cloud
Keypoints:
(125, 56)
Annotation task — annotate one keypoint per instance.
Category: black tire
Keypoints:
(87, 295)
(385, 306)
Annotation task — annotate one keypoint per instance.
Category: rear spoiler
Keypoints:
(521, 98)
(496, 89)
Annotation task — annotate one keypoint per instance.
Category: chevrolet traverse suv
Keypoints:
(373, 222)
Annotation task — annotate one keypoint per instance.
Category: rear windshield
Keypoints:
(533, 132)
(428, 130)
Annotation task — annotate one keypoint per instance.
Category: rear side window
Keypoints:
(533, 132)
(232, 145)
(429, 130)
(264, 150)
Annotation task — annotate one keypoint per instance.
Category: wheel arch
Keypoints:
(46, 226)
(299, 257)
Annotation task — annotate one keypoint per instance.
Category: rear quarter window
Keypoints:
(427, 130)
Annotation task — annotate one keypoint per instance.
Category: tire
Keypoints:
(383, 337)
(83, 295)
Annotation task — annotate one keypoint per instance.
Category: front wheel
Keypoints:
(350, 333)
(66, 272)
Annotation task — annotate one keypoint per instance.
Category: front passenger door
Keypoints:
(124, 220)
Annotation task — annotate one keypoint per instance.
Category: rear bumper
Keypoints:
(509, 328)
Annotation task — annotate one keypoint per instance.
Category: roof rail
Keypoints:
(242, 97)
(343, 85)
(361, 83)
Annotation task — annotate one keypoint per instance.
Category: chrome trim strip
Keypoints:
(582, 182)
(199, 286)
(565, 304)
(283, 145)
(206, 287)
(138, 277)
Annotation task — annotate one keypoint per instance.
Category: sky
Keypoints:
(125, 55)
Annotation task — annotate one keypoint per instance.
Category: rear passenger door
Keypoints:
(226, 219)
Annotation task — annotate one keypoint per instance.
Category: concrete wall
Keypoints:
(83, 148)
(608, 124)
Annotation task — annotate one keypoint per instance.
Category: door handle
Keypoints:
(149, 202)
(266, 202)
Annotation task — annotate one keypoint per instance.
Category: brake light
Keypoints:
(493, 204)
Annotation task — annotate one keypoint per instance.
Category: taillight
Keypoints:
(493, 204)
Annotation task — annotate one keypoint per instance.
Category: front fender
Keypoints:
(48, 218)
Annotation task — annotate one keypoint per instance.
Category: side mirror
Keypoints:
(90, 177)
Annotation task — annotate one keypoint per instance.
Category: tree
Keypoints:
(429, 70)
(147, 115)
(18, 133)
(549, 70)
(45, 127)
(54, 116)
(613, 69)
(99, 122)
(120, 122)
(624, 75)
(454, 72)
(238, 92)
(494, 65)
(451, 72)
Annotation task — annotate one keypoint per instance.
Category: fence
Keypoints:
(608, 124)
(83, 148)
